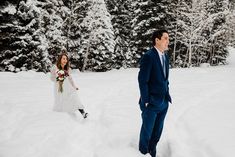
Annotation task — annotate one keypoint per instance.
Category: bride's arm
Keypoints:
(71, 79)
(53, 74)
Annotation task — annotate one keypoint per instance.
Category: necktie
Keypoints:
(164, 65)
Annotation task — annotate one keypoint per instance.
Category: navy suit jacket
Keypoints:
(153, 84)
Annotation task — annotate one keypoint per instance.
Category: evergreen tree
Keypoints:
(231, 23)
(98, 42)
(20, 48)
(73, 31)
(33, 32)
(122, 15)
(149, 16)
(35, 35)
(51, 32)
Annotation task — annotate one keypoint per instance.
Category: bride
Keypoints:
(65, 91)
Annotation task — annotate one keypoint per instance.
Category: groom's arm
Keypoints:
(143, 77)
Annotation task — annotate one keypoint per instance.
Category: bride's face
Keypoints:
(64, 60)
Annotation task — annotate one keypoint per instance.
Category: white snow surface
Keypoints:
(200, 122)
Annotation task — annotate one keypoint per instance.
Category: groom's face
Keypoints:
(163, 42)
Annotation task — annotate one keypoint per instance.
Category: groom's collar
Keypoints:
(159, 52)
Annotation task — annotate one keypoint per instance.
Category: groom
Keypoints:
(154, 92)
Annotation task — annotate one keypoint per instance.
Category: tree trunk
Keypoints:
(190, 53)
(175, 42)
(186, 57)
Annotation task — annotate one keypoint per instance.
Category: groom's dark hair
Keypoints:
(158, 34)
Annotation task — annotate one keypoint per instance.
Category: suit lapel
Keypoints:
(158, 60)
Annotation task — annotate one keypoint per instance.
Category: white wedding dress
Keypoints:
(68, 100)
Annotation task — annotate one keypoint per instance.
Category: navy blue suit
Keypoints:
(154, 90)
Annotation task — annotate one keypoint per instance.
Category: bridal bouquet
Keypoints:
(61, 75)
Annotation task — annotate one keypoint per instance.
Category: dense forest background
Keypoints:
(100, 35)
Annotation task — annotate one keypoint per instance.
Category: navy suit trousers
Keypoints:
(151, 129)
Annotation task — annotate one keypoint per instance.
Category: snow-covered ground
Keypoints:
(200, 122)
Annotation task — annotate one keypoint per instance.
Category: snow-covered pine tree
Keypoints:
(171, 28)
(149, 16)
(32, 32)
(35, 35)
(20, 48)
(7, 12)
(51, 19)
(122, 15)
(231, 23)
(77, 10)
(98, 42)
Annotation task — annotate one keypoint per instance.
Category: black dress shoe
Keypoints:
(85, 115)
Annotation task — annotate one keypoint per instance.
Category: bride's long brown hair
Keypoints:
(58, 63)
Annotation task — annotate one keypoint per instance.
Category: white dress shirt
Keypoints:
(160, 54)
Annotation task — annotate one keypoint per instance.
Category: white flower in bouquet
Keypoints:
(61, 74)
